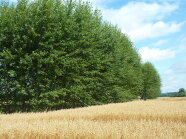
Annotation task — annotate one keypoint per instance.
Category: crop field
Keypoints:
(160, 118)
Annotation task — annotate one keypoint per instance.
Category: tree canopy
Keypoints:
(181, 90)
(151, 82)
(60, 54)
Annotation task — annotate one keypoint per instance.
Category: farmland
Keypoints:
(158, 118)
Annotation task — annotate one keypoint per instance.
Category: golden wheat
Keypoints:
(161, 118)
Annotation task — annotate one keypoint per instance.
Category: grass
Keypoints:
(154, 119)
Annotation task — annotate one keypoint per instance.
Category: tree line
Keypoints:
(61, 54)
(180, 93)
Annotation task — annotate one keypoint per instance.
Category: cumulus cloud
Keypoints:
(151, 30)
(154, 54)
(142, 20)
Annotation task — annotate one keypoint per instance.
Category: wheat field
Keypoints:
(154, 119)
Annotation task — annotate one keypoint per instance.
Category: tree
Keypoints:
(60, 54)
(181, 90)
(151, 82)
(47, 46)
(180, 93)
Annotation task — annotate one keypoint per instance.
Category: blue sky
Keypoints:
(158, 30)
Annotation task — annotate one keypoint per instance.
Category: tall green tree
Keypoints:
(60, 54)
(151, 82)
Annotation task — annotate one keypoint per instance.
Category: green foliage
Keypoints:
(181, 90)
(180, 93)
(169, 94)
(60, 54)
(151, 82)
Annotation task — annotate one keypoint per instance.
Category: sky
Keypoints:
(157, 29)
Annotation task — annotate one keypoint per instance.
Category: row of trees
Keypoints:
(60, 54)
(180, 93)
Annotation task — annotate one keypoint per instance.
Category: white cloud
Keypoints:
(99, 3)
(179, 67)
(182, 47)
(143, 20)
(160, 42)
(175, 77)
(13, 0)
(154, 54)
(172, 83)
(154, 30)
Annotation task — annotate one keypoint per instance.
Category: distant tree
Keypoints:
(181, 90)
(180, 93)
(151, 82)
